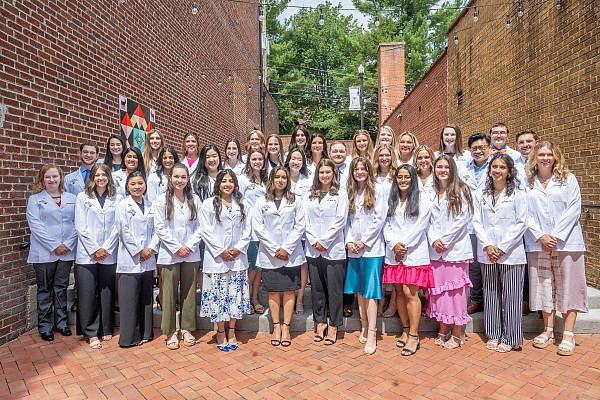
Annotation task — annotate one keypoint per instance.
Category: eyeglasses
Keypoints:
(479, 148)
(499, 133)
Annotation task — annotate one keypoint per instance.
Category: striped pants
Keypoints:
(503, 302)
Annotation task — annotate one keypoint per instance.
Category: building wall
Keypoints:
(63, 65)
(271, 115)
(540, 74)
(424, 110)
(390, 69)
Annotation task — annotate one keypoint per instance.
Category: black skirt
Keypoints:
(284, 279)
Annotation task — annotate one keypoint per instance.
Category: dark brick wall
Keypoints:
(63, 65)
(540, 74)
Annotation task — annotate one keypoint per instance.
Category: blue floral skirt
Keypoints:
(225, 296)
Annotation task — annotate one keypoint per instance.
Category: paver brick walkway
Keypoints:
(68, 368)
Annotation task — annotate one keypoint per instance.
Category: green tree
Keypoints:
(406, 21)
(312, 66)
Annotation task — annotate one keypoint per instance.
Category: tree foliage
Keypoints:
(312, 65)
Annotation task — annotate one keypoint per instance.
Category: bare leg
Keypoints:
(402, 312)
(362, 310)
(231, 338)
(413, 307)
(381, 303)
(392, 307)
(569, 318)
(288, 309)
(303, 282)
(221, 336)
(371, 311)
(274, 306)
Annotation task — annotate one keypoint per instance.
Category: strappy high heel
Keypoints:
(286, 343)
(232, 346)
(408, 352)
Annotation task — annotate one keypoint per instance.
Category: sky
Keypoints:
(289, 11)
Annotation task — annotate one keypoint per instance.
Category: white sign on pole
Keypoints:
(354, 97)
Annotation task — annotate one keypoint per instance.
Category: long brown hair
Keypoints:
(355, 153)
(280, 156)
(250, 172)
(39, 185)
(187, 192)
(393, 163)
(270, 187)
(148, 160)
(559, 169)
(184, 149)
(90, 186)
(352, 185)
(458, 144)
(456, 190)
(315, 189)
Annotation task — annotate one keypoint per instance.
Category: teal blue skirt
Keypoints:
(252, 256)
(363, 276)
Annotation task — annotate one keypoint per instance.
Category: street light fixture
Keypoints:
(361, 74)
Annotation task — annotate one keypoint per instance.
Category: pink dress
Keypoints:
(448, 299)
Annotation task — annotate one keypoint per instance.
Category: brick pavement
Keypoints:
(68, 368)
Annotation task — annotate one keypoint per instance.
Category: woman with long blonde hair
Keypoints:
(407, 143)
(362, 144)
(554, 244)
(366, 248)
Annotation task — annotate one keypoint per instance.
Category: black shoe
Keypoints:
(65, 331)
(47, 336)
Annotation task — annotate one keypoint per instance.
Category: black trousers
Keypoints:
(327, 288)
(135, 304)
(52, 281)
(96, 299)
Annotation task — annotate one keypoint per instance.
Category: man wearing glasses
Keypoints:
(499, 136)
(474, 175)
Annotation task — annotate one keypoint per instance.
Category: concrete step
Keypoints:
(586, 323)
(593, 297)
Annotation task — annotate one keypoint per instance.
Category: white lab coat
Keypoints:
(501, 225)
(367, 226)
(155, 187)
(452, 229)
(343, 175)
(412, 231)
(51, 226)
(96, 228)
(230, 233)
(556, 211)
(325, 223)
(302, 186)
(120, 178)
(251, 192)
(136, 233)
(520, 166)
(460, 161)
(177, 232)
(427, 189)
(74, 183)
(275, 228)
(467, 174)
(238, 169)
(385, 183)
(191, 169)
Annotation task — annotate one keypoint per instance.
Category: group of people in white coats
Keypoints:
(411, 218)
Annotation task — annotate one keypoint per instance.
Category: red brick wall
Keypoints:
(63, 65)
(390, 68)
(271, 115)
(424, 109)
(540, 74)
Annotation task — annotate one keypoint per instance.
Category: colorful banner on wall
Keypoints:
(135, 120)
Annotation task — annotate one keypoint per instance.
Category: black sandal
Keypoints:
(319, 338)
(275, 342)
(330, 342)
(286, 343)
(402, 343)
(407, 352)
